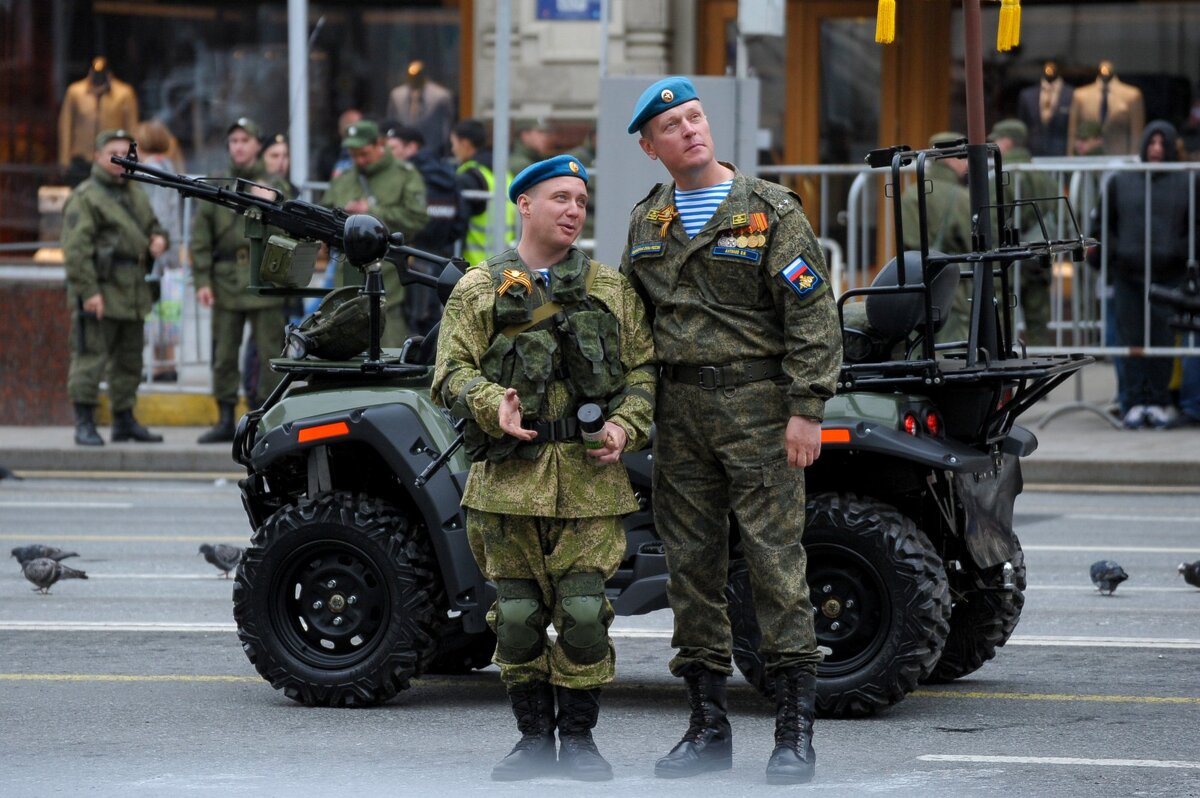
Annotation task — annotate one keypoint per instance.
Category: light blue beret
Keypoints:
(666, 93)
(558, 166)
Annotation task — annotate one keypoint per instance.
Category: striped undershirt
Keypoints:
(697, 207)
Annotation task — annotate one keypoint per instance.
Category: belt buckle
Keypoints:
(710, 377)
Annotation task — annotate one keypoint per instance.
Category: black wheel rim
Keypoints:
(330, 607)
(852, 608)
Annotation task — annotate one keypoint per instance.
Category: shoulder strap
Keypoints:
(548, 309)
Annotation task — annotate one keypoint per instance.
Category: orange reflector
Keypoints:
(835, 435)
(324, 431)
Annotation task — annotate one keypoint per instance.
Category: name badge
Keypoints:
(740, 253)
(646, 249)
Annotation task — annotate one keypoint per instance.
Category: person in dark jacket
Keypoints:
(1144, 388)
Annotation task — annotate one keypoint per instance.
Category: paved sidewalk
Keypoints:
(1077, 446)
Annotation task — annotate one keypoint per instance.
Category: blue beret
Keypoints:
(666, 93)
(558, 166)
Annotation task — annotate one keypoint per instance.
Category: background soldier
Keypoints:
(110, 237)
(391, 191)
(221, 265)
(468, 142)
(747, 335)
(543, 510)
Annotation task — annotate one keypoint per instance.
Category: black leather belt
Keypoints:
(560, 429)
(728, 376)
(125, 262)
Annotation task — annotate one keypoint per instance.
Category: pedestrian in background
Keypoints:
(747, 336)
(110, 239)
(532, 144)
(468, 141)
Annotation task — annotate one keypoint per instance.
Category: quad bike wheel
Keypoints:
(333, 601)
(881, 606)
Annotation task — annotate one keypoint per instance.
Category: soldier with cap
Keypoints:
(536, 343)
(532, 144)
(390, 190)
(746, 332)
(221, 267)
(110, 238)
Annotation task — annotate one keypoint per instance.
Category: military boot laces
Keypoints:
(793, 761)
(223, 431)
(578, 756)
(533, 755)
(126, 428)
(707, 745)
(85, 426)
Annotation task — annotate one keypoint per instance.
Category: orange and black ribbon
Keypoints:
(514, 277)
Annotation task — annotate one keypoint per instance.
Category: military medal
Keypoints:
(514, 277)
(742, 241)
(727, 241)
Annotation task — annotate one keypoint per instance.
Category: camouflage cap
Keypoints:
(360, 134)
(944, 137)
(530, 123)
(1010, 129)
(247, 124)
(112, 135)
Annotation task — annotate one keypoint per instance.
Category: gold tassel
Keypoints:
(1008, 34)
(885, 22)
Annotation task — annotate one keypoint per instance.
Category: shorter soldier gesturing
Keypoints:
(528, 337)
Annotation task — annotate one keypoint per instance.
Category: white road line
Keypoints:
(214, 575)
(1062, 760)
(1101, 547)
(114, 626)
(1142, 518)
(1093, 589)
(1080, 641)
(70, 505)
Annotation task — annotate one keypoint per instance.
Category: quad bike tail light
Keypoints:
(911, 425)
(933, 423)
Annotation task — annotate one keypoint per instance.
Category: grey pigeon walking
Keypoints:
(44, 572)
(224, 556)
(1191, 572)
(1107, 574)
(31, 552)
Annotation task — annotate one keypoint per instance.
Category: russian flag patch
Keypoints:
(801, 277)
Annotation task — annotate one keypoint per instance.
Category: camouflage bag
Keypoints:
(338, 329)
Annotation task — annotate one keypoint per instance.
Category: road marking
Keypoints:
(114, 626)
(70, 505)
(1062, 760)
(205, 577)
(129, 538)
(1083, 641)
(1139, 518)
(183, 476)
(1123, 549)
(1118, 699)
(1068, 487)
(1124, 589)
(120, 677)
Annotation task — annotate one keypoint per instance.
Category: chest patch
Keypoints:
(801, 278)
(737, 253)
(646, 249)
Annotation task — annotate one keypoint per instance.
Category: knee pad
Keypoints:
(584, 637)
(520, 620)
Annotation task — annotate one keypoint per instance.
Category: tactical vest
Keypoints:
(475, 244)
(569, 338)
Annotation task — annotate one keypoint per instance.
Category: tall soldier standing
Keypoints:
(221, 267)
(110, 235)
(747, 337)
(528, 338)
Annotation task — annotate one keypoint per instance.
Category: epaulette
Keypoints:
(781, 198)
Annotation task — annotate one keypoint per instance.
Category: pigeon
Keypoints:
(1106, 575)
(1191, 572)
(225, 557)
(7, 473)
(26, 553)
(44, 572)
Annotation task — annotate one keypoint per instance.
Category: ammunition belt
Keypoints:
(730, 375)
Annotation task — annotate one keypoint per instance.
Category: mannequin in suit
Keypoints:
(1117, 106)
(424, 104)
(96, 102)
(1045, 108)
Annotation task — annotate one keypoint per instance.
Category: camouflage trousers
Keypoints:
(105, 345)
(544, 550)
(1035, 303)
(719, 454)
(228, 327)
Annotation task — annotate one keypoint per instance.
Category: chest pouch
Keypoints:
(592, 353)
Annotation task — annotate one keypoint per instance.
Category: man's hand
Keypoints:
(204, 296)
(357, 206)
(158, 245)
(803, 439)
(614, 443)
(95, 305)
(510, 416)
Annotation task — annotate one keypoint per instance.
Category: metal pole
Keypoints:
(298, 89)
(497, 229)
(604, 14)
(982, 334)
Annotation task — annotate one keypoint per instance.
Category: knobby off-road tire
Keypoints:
(345, 557)
(981, 622)
(881, 599)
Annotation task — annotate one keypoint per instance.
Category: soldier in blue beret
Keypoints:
(533, 341)
(746, 332)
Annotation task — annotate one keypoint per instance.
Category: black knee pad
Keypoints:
(520, 620)
(584, 637)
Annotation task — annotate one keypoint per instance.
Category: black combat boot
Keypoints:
(577, 755)
(793, 760)
(708, 743)
(85, 426)
(223, 430)
(126, 428)
(533, 755)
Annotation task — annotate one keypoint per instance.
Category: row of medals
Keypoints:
(752, 240)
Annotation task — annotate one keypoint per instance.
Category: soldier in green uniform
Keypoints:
(746, 333)
(391, 191)
(531, 145)
(110, 236)
(527, 339)
(948, 209)
(221, 268)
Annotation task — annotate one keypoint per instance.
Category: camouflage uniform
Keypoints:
(722, 451)
(107, 227)
(221, 261)
(1035, 278)
(545, 512)
(395, 191)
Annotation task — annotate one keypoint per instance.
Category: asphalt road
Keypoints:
(133, 682)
